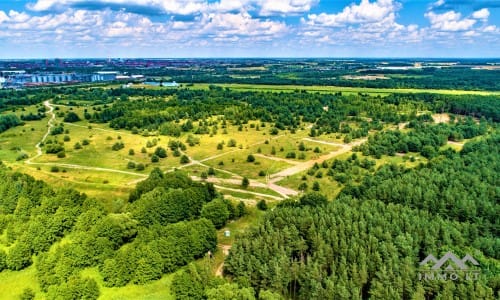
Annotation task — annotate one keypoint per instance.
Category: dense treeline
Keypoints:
(460, 186)
(369, 241)
(163, 229)
(10, 98)
(299, 73)
(424, 138)
(351, 249)
(353, 115)
(284, 110)
(8, 121)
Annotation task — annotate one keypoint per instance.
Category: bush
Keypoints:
(250, 158)
(140, 167)
(53, 148)
(211, 171)
(131, 165)
(54, 169)
(85, 142)
(313, 199)
(66, 138)
(216, 211)
(71, 117)
(118, 146)
(77, 146)
(262, 205)
(61, 154)
(155, 158)
(245, 182)
(131, 152)
(22, 156)
(184, 159)
(161, 152)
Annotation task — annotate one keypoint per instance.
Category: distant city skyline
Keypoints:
(249, 28)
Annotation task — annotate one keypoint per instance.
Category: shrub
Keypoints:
(22, 156)
(245, 182)
(262, 205)
(161, 152)
(118, 146)
(217, 212)
(71, 117)
(184, 159)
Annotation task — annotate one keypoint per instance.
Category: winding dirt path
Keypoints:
(50, 125)
(39, 151)
(308, 164)
(225, 251)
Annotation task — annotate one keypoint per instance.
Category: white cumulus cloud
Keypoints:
(285, 6)
(482, 14)
(365, 12)
(3, 16)
(449, 21)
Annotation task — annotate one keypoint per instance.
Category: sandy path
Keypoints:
(225, 251)
(288, 161)
(50, 125)
(309, 164)
(69, 166)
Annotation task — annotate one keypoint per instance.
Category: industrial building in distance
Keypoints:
(19, 78)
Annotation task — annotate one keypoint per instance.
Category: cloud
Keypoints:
(365, 12)
(146, 7)
(482, 14)
(449, 21)
(3, 17)
(285, 6)
(179, 7)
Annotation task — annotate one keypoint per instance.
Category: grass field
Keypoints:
(12, 283)
(347, 90)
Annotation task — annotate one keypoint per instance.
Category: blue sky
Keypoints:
(249, 28)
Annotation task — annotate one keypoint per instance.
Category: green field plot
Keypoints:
(156, 290)
(237, 163)
(230, 138)
(346, 90)
(13, 283)
(21, 139)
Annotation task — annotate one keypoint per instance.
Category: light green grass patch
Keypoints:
(156, 290)
(347, 90)
(12, 283)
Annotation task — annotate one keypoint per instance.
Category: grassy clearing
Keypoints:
(12, 283)
(156, 290)
(239, 226)
(92, 183)
(347, 90)
(236, 162)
